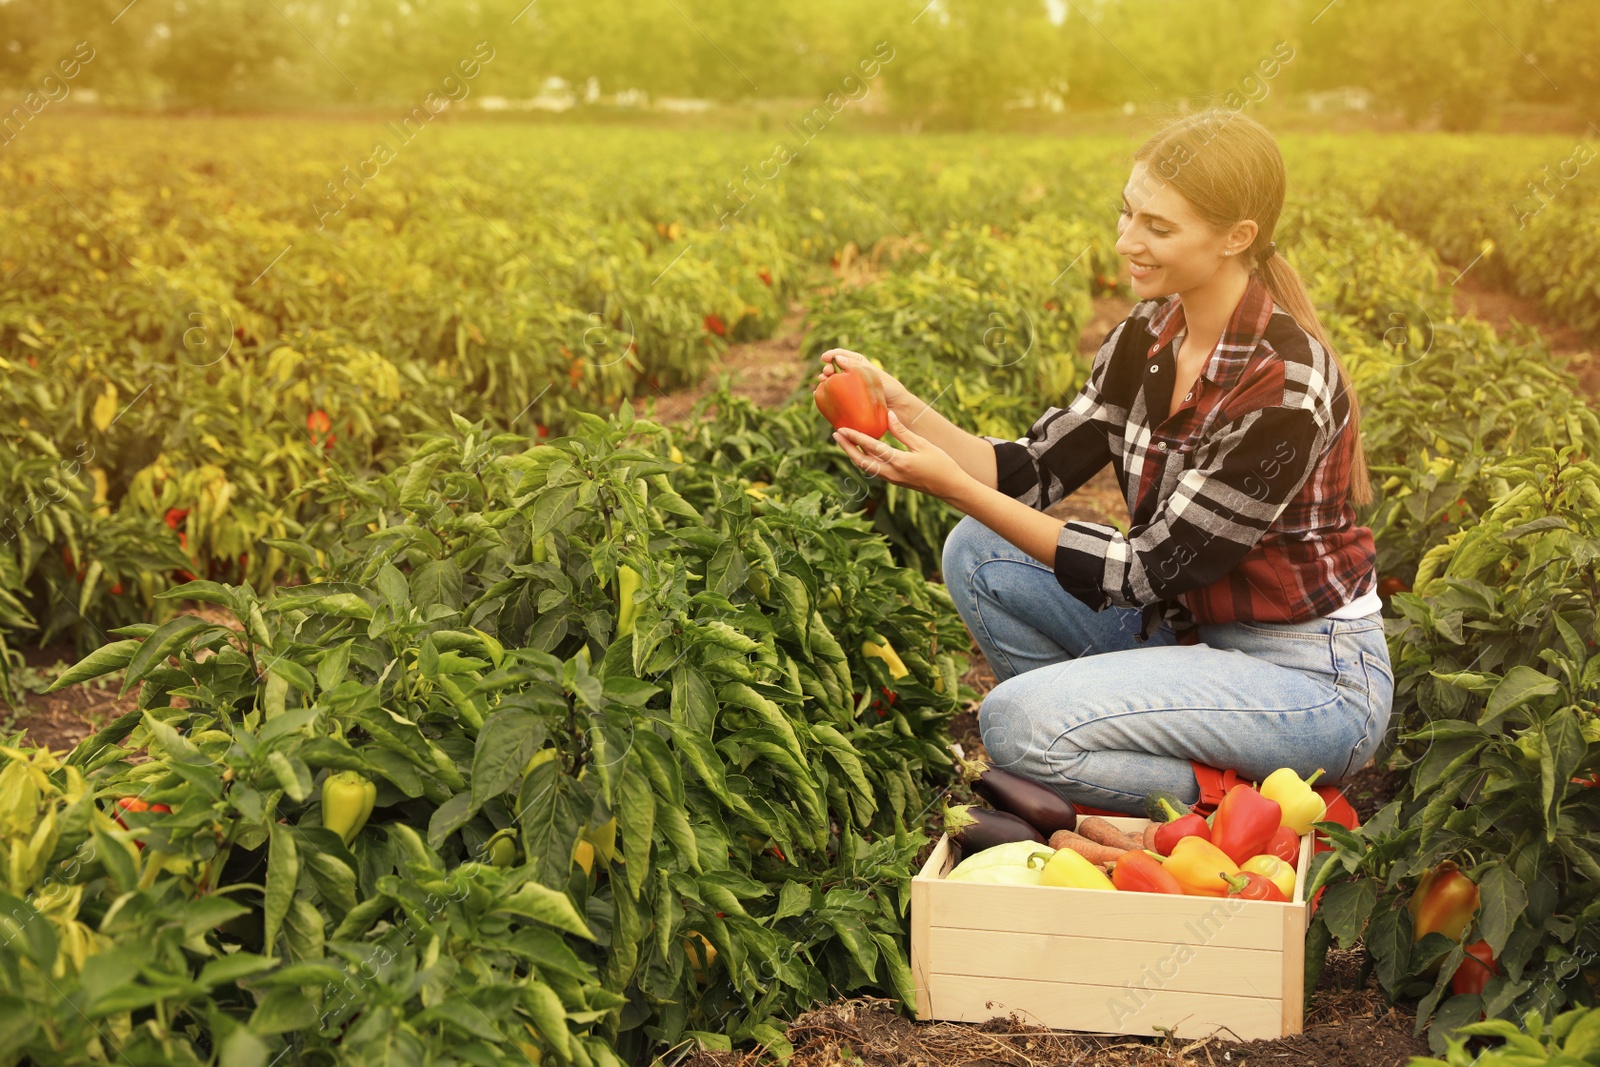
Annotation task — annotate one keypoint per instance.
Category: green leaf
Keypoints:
(1520, 685)
(505, 744)
(1564, 749)
(296, 787)
(1501, 900)
(283, 872)
(549, 1015)
(228, 969)
(294, 674)
(170, 637)
(37, 933)
(437, 582)
(16, 1027)
(172, 742)
(203, 591)
(447, 818)
(282, 1010)
(103, 660)
(636, 819)
(543, 904)
(334, 664)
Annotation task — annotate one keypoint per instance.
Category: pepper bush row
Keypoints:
(765, 779)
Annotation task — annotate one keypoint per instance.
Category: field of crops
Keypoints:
(644, 774)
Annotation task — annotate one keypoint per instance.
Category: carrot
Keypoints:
(1149, 841)
(1093, 851)
(1097, 829)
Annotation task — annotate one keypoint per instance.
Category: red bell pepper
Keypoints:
(1475, 971)
(1285, 844)
(1178, 827)
(1252, 886)
(1444, 902)
(1339, 811)
(1245, 821)
(1139, 872)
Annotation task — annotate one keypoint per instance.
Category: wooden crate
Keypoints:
(1111, 963)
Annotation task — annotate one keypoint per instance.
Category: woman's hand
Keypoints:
(895, 395)
(921, 465)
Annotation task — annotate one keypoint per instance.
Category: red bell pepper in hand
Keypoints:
(1138, 871)
(853, 397)
(1245, 821)
(1475, 971)
(1444, 902)
(1177, 827)
(1252, 886)
(1285, 844)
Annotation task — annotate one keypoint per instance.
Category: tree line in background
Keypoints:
(957, 63)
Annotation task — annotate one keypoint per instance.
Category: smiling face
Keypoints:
(1169, 248)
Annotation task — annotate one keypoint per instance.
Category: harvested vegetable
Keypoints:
(975, 829)
(1252, 886)
(1070, 870)
(1005, 874)
(1034, 802)
(1013, 852)
(1093, 851)
(1200, 867)
(1177, 827)
(1244, 822)
(1300, 804)
(1285, 845)
(1097, 829)
(1141, 872)
(1273, 870)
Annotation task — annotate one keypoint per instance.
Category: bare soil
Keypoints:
(1507, 312)
(1347, 1025)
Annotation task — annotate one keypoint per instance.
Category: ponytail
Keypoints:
(1228, 167)
(1289, 292)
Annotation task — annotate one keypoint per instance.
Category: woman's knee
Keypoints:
(1006, 733)
(963, 547)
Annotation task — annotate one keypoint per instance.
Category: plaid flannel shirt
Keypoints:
(1238, 503)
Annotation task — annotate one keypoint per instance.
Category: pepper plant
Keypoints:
(459, 649)
(1497, 692)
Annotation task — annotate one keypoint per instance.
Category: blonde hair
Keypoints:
(1228, 167)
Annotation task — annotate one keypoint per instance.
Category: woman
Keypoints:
(1236, 625)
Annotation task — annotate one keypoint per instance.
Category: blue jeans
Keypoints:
(1086, 709)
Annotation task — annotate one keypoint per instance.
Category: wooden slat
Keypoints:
(961, 998)
(1110, 963)
(1293, 963)
(1153, 917)
(921, 909)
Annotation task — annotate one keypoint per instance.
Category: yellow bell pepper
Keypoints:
(1067, 868)
(1273, 870)
(1300, 803)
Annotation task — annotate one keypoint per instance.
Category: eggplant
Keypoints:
(974, 829)
(1034, 802)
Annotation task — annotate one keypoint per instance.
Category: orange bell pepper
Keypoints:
(1140, 872)
(1201, 868)
(1444, 902)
